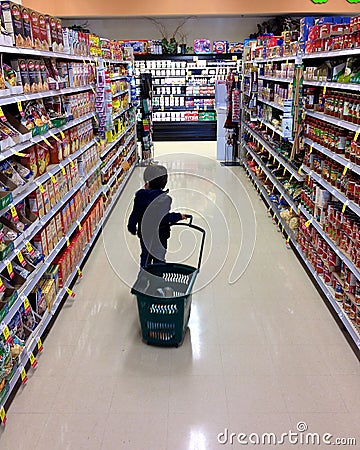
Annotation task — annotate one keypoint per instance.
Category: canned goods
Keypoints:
(352, 313)
(339, 293)
(347, 304)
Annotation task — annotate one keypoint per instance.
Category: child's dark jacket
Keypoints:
(158, 212)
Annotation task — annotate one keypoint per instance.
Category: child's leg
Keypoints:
(161, 253)
(145, 258)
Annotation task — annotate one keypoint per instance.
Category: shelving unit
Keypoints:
(82, 170)
(329, 84)
(184, 110)
(334, 121)
(342, 299)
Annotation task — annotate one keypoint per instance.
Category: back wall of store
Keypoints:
(219, 28)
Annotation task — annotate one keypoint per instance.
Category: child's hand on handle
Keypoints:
(183, 217)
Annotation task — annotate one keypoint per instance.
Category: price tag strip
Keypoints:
(70, 292)
(6, 334)
(32, 359)
(29, 248)
(2, 286)
(9, 268)
(26, 304)
(39, 345)
(23, 375)
(21, 258)
(3, 416)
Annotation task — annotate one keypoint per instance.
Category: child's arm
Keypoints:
(172, 217)
(134, 216)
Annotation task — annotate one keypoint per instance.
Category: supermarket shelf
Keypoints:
(280, 80)
(338, 158)
(121, 112)
(39, 331)
(170, 95)
(201, 76)
(182, 108)
(20, 147)
(125, 91)
(355, 208)
(274, 153)
(118, 77)
(353, 332)
(249, 111)
(41, 223)
(168, 76)
(39, 272)
(284, 227)
(271, 127)
(272, 104)
(333, 54)
(168, 85)
(340, 123)
(117, 195)
(106, 187)
(46, 176)
(49, 54)
(329, 84)
(187, 122)
(114, 61)
(272, 178)
(113, 143)
(200, 96)
(25, 97)
(331, 243)
(277, 59)
(111, 162)
(185, 95)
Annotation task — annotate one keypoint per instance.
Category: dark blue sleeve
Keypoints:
(171, 217)
(134, 216)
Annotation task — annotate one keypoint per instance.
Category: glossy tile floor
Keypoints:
(262, 352)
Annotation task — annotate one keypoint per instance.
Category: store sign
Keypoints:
(325, 1)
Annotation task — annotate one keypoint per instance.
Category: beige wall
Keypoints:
(116, 8)
(227, 28)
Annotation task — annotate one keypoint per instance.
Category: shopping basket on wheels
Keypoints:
(164, 294)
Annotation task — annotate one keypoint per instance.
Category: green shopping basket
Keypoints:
(164, 293)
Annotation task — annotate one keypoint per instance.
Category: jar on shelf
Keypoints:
(310, 98)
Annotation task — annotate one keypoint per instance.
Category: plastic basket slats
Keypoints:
(156, 308)
(161, 331)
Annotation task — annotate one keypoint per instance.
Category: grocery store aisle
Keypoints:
(262, 352)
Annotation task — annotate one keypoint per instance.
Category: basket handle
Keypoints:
(195, 227)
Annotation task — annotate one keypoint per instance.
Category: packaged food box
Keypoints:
(41, 158)
(8, 299)
(220, 46)
(35, 29)
(59, 35)
(37, 300)
(40, 242)
(26, 19)
(53, 274)
(51, 23)
(48, 289)
(36, 203)
(13, 23)
(202, 46)
(21, 68)
(45, 44)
